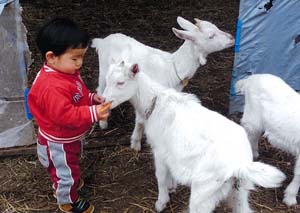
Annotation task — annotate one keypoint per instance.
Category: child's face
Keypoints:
(68, 62)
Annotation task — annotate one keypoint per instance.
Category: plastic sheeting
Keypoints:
(15, 128)
(267, 41)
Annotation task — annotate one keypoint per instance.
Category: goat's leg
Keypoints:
(291, 191)
(238, 198)
(172, 184)
(103, 123)
(205, 196)
(162, 176)
(137, 134)
(253, 131)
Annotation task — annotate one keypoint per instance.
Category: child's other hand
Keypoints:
(103, 110)
(98, 99)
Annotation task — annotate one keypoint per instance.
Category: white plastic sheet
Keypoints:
(15, 128)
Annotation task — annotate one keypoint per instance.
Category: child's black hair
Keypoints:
(60, 34)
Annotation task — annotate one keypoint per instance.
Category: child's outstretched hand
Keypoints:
(98, 99)
(103, 110)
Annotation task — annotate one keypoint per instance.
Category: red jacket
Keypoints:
(61, 105)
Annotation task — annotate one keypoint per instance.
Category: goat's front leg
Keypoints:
(163, 182)
(291, 191)
(137, 134)
(102, 123)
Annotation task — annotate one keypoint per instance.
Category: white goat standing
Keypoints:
(169, 69)
(272, 107)
(192, 145)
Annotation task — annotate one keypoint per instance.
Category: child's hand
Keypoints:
(103, 110)
(98, 99)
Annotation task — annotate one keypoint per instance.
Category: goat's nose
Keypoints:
(232, 39)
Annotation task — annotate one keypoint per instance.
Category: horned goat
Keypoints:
(172, 70)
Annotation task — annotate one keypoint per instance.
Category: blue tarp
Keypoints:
(267, 41)
(3, 3)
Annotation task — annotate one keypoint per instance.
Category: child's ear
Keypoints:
(50, 57)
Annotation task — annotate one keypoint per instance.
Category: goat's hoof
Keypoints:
(136, 145)
(159, 206)
(290, 200)
(172, 189)
(103, 124)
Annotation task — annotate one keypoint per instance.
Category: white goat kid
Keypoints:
(192, 145)
(272, 107)
(169, 69)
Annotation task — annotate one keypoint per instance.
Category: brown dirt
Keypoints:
(117, 178)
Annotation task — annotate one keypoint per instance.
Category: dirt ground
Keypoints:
(117, 178)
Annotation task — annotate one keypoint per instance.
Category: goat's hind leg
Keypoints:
(206, 196)
(238, 197)
(291, 191)
(253, 130)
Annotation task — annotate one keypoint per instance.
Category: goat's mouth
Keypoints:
(112, 103)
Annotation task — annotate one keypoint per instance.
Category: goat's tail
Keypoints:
(262, 174)
(97, 43)
(240, 86)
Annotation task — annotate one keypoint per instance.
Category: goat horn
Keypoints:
(198, 21)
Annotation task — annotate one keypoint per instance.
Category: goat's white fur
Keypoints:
(165, 68)
(192, 145)
(272, 107)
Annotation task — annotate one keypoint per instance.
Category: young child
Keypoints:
(64, 109)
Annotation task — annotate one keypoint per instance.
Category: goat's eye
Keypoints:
(120, 83)
(212, 36)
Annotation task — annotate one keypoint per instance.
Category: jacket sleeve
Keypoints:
(64, 113)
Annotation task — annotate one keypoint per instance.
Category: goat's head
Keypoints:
(207, 37)
(121, 84)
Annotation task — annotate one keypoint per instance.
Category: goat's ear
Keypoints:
(185, 35)
(134, 69)
(185, 24)
(96, 43)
